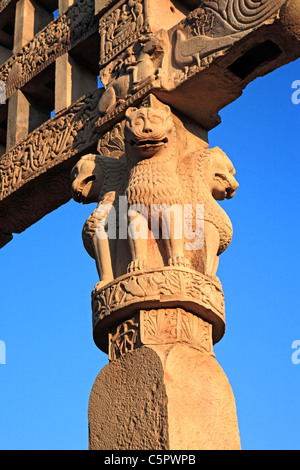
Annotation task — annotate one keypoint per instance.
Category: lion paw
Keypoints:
(136, 265)
(179, 261)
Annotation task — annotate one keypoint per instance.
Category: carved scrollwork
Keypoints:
(242, 14)
(123, 338)
(57, 140)
(217, 25)
(4, 4)
(111, 144)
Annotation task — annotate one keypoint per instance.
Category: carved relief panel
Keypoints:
(164, 327)
(120, 27)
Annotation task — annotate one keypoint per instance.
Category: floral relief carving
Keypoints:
(162, 326)
(169, 326)
(174, 285)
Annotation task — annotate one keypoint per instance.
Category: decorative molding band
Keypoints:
(166, 287)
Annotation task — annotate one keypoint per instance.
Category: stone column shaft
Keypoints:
(163, 388)
(71, 81)
(63, 5)
(30, 18)
(18, 118)
(5, 54)
(24, 115)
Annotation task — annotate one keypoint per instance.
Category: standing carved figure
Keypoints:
(96, 178)
(207, 177)
(153, 191)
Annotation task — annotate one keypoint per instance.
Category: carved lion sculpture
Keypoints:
(153, 183)
(100, 179)
(208, 177)
(158, 181)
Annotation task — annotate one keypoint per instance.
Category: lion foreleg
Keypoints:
(105, 235)
(138, 237)
(212, 243)
(173, 234)
(103, 260)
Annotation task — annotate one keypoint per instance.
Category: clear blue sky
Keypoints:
(47, 277)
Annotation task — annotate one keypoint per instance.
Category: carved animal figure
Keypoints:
(99, 179)
(208, 177)
(153, 183)
(242, 14)
(232, 20)
(157, 181)
(139, 65)
(190, 50)
(116, 81)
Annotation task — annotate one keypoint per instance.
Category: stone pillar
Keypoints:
(24, 112)
(63, 5)
(5, 54)
(63, 83)
(24, 115)
(3, 121)
(18, 119)
(71, 81)
(24, 24)
(159, 306)
(18, 103)
(163, 388)
(30, 19)
(72, 78)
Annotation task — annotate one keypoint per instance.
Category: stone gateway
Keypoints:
(167, 68)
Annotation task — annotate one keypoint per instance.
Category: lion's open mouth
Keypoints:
(149, 143)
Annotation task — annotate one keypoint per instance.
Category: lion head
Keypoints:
(149, 130)
(87, 179)
(220, 175)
